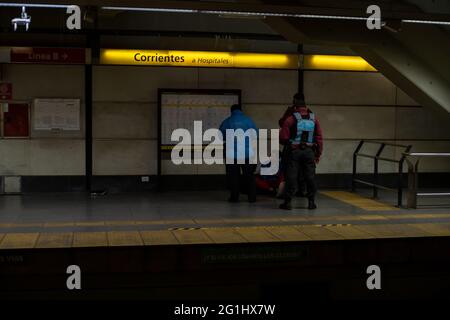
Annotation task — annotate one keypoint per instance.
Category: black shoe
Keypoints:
(311, 204)
(233, 200)
(286, 206)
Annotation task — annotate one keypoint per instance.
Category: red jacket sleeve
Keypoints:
(318, 138)
(285, 131)
(289, 111)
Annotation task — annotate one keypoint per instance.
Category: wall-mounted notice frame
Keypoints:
(56, 114)
(15, 120)
(179, 108)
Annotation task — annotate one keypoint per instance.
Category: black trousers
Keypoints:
(301, 185)
(248, 179)
(300, 160)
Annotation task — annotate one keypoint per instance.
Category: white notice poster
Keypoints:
(181, 110)
(62, 114)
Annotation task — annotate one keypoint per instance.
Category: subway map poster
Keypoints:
(181, 109)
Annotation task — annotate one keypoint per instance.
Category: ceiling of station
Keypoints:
(413, 55)
(54, 19)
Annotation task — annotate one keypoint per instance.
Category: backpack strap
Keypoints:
(312, 117)
(297, 116)
(298, 137)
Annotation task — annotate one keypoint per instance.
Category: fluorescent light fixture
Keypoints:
(34, 5)
(237, 13)
(287, 15)
(445, 23)
(152, 9)
(264, 14)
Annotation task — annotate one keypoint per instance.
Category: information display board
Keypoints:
(180, 108)
(61, 114)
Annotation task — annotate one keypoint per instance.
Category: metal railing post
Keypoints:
(375, 170)
(400, 185)
(411, 201)
(355, 158)
(400, 178)
(375, 183)
(413, 177)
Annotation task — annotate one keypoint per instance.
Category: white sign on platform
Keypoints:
(62, 114)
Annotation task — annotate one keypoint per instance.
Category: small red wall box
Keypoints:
(5, 91)
(16, 120)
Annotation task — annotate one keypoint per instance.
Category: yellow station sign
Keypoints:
(213, 59)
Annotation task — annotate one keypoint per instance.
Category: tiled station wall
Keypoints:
(44, 153)
(129, 101)
(350, 105)
(354, 106)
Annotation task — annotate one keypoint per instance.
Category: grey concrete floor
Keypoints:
(165, 206)
(192, 209)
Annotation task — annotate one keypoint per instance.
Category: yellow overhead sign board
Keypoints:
(213, 59)
(330, 62)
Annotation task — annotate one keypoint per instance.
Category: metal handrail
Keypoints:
(364, 155)
(376, 158)
(413, 177)
(428, 154)
(387, 143)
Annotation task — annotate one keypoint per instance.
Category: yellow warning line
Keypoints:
(358, 201)
(221, 235)
(212, 223)
(19, 240)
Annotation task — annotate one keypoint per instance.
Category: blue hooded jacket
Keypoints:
(238, 120)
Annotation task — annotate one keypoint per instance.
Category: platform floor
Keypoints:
(172, 218)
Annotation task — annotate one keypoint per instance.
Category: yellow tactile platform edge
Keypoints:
(255, 234)
(194, 224)
(358, 201)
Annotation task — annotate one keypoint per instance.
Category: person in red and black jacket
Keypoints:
(301, 134)
(301, 185)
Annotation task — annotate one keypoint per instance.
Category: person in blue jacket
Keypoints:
(239, 153)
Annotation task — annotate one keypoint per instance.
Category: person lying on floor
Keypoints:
(270, 184)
